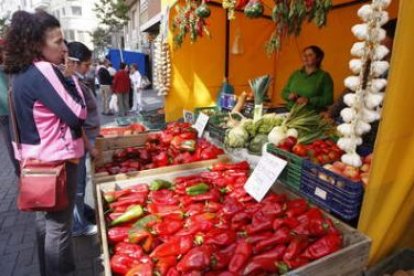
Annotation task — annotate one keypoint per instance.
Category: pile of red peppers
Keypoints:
(206, 224)
(177, 144)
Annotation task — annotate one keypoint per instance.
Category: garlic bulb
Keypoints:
(346, 129)
(366, 12)
(358, 141)
(384, 18)
(352, 159)
(352, 82)
(380, 52)
(346, 144)
(355, 65)
(348, 114)
(377, 85)
(349, 99)
(378, 35)
(383, 4)
(362, 127)
(369, 115)
(360, 31)
(379, 67)
(373, 100)
(358, 49)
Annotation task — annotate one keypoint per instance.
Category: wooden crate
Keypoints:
(350, 260)
(120, 142)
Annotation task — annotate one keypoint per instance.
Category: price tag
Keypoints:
(264, 175)
(188, 116)
(320, 193)
(201, 123)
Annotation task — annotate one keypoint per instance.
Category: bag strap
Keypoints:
(13, 117)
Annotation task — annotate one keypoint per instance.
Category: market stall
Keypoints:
(204, 216)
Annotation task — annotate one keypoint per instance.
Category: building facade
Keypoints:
(77, 17)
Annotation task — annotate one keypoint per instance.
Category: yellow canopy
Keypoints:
(198, 71)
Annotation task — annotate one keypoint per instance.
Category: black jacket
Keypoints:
(104, 77)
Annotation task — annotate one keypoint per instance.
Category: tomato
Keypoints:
(299, 150)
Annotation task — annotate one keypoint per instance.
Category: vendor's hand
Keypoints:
(302, 100)
(293, 96)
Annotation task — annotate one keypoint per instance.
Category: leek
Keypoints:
(259, 87)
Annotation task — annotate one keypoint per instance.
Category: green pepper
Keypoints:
(133, 212)
(109, 196)
(143, 222)
(198, 189)
(159, 184)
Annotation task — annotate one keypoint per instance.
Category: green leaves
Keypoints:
(289, 16)
(113, 14)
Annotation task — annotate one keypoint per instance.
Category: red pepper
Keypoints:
(183, 158)
(168, 227)
(189, 135)
(121, 263)
(184, 179)
(324, 246)
(174, 247)
(211, 175)
(253, 239)
(259, 227)
(311, 214)
(240, 257)
(240, 219)
(296, 247)
(161, 160)
(163, 197)
(212, 206)
(118, 233)
(164, 264)
(173, 272)
(281, 236)
(272, 209)
(132, 250)
(288, 222)
(285, 266)
(197, 258)
(235, 166)
(194, 209)
(221, 259)
(131, 199)
(162, 208)
(275, 198)
(231, 206)
(212, 195)
(220, 237)
(265, 262)
(209, 153)
(137, 235)
(296, 207)
(141, 270)
(113, 216)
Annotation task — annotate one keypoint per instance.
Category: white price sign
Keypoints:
(201, 123)
(264, 175)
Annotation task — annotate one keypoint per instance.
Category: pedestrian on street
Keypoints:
(121, 86)
(135, 77)
(105, 82)
(4, 112)
(80, 56)
(111, 69)
(50, 112)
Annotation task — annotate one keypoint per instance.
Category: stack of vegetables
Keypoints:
(364, 105)
(206, 224)
(301, 124)
(177, 144)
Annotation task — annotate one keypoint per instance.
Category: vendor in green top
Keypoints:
(310, 85)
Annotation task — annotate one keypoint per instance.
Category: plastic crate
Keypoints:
(216, 132)
(292, 174)
(335, 193)
(403, 259)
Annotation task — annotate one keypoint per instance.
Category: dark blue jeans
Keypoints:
(79, 220)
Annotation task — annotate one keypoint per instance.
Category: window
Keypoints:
(76, 10)
(63, 12)
(81, 36)
(58, 14)
(133, 19)
(70, 35)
